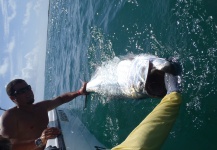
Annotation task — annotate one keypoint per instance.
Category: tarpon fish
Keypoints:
(134, 76)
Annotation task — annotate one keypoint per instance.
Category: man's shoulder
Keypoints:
(8, 118)
(42, 104)
(9, 113)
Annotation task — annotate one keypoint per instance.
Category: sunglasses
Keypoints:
(22, 90)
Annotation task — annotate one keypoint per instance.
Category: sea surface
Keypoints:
(82, 35)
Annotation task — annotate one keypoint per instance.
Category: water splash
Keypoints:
(105, 79)
(132, 76)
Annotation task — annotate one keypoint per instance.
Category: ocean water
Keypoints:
(82, 35)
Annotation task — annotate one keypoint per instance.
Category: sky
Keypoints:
(23, 35)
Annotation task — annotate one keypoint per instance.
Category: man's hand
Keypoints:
(171, 79)
(171, 83)
(82, 90)
(49, 133)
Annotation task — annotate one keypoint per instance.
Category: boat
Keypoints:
(75, 135)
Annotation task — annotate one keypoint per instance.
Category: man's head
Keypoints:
(20, 92)
(10, 87)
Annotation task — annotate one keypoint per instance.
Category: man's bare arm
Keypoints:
(48, 133)
(64, 98)
(27, 145)
(8, 125)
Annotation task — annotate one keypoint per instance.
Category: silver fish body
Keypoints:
(128, 77)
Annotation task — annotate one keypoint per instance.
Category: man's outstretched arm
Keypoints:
(64, 98)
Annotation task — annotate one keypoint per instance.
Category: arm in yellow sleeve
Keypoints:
(151, 133)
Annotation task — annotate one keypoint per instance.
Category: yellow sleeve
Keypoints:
(151, 133)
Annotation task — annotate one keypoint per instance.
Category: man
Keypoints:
(151, 133)
(26, 123)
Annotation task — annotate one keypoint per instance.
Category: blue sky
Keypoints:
(23, 30)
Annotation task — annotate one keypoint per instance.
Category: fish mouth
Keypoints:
(155, 85)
